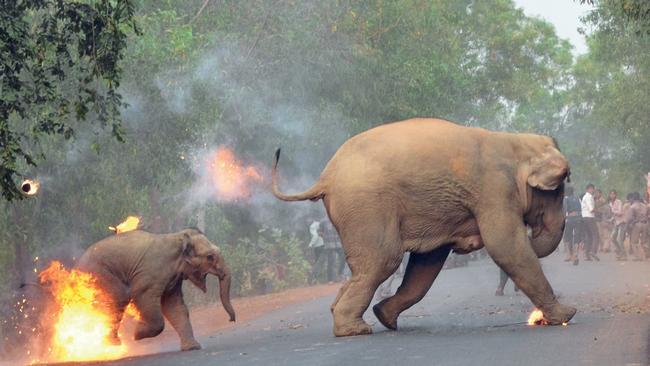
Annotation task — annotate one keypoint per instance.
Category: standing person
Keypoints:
(603, 214)
(331, 239)
(638, 220)
(503, 279)
(625, 230)
(618, 232)
(340, 257)
(590, 229)
(572, 208)
(385, 289)
(317, 246)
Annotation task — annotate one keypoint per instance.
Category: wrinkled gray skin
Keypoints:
(149, 270)
(430, 186)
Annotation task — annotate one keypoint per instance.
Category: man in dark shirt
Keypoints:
(637, 219)
(573, 219)
(333, 249)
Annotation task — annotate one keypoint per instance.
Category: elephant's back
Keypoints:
(111, 250)
(410, 148)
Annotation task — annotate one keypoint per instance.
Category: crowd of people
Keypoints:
(598, 224)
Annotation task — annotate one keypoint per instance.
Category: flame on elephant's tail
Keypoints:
(129, 224)
(231, 178)
(80, 328)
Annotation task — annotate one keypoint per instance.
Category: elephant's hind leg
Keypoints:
(373, 253)
(339, 295)
(422, 270)
(151, 323)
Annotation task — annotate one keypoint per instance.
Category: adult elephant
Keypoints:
(428, 186)
(149, 270)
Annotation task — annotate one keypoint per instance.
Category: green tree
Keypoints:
(59, 62)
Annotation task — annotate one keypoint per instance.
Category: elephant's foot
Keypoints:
(558, 314)
(113, 340)
(352, 329)
(388, 321)
(190, 345)
(144, 330)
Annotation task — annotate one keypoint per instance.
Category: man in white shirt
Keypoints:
(589, 226)
(317, 245)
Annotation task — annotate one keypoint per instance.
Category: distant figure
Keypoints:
(332, 245)
(385, 289)
(603, 214)
(317, 245)
(625, 229)
(618, 231)
(590, 229)
(573, 220)
(503, 280)
(637, 219)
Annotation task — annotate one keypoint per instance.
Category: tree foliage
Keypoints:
(608, 105)
(59, 62)
(306, 76)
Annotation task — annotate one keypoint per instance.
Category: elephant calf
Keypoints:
(429, 186)
(149, 270)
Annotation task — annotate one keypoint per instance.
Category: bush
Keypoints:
(270, 261)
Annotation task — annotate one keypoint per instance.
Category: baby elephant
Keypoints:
(149, 270)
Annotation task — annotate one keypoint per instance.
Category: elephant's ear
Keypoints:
(548, 170)
(189, 252)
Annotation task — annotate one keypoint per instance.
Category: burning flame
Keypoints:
(231, 177)
(131, 223)
(132, 311)
(81, 329)
(536, 318)
(29, 187)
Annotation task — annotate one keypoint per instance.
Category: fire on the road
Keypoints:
(80, 326)
(131, 223)
(231, 178)
(537, 318)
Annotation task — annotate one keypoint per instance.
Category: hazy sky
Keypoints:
(563, 14)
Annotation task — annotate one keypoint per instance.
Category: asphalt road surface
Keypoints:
(460, 322)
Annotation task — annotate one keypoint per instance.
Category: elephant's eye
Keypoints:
(210, 258)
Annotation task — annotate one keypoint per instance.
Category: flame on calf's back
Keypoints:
(131, 223)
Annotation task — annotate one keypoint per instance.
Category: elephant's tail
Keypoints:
(314, 193)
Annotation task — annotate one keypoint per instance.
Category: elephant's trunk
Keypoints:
(547, 241)
(224, 293)
(547, 223)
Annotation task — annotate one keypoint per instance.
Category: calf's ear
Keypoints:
(188, 250)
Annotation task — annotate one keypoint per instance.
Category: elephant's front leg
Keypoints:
(175, 311)
(506, 240)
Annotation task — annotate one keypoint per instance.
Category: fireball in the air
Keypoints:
(29, 187)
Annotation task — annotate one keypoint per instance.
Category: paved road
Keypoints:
(460, 322)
